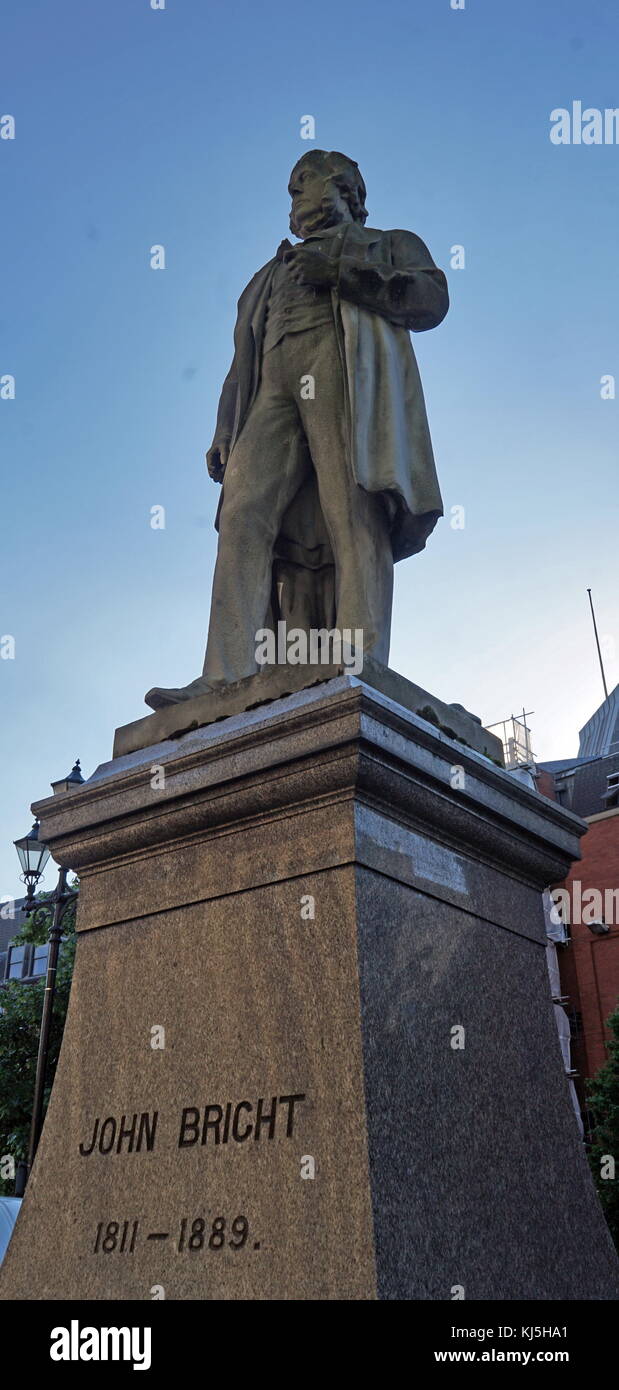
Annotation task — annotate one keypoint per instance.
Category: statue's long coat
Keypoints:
(388, 285)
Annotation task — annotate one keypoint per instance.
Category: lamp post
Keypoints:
(33, 856)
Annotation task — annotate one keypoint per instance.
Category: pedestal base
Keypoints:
(310, 1050)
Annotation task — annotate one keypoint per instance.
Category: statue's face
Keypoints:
(317, 202)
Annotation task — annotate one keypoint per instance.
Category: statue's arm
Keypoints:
(217, 456)
(408, 289)
(227, 405)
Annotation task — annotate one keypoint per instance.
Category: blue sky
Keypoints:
(179, 127)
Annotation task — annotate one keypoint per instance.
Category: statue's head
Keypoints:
(326, 188)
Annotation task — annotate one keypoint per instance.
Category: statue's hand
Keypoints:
(217, 458)
(311, 267)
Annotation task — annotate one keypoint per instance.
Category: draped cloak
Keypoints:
(387, 285)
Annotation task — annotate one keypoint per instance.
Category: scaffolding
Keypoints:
(515, 736)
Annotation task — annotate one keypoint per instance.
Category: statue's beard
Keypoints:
(327, 215)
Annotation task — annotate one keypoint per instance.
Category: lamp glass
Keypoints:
(32, 852)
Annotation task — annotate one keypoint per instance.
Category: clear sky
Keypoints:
(179, 127)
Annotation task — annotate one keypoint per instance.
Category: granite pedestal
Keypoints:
(310, 1050)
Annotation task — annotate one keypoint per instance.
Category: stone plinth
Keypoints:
(330, 914)
(274, 682)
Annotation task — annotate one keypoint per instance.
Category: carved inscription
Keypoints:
(199, 1234)
(267, 1118)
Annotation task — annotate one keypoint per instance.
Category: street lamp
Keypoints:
(33, 856)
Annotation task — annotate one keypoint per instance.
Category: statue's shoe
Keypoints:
(160, 698)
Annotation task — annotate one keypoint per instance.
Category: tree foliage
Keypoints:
(21, 1006)
(603, 1102)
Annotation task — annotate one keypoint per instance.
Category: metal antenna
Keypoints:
(598, 645)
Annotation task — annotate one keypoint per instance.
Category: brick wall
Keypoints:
(590, 965)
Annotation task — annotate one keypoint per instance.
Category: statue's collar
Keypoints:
(338, 230)
(350, 232)
(363, 236)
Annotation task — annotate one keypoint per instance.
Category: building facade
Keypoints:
(589, 897)
(26, 963)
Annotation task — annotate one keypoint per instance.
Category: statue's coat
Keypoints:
(388, 285)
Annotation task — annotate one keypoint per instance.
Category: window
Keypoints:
(17, 956)
(575, 1022)
(39, 960)
(611, 795)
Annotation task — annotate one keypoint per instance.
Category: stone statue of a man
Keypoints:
(322, 440)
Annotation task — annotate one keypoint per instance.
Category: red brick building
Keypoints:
(589, 966)
(589, 961)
